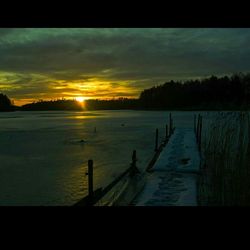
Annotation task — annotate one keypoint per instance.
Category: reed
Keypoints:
(226, 149)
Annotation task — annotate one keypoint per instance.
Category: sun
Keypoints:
(80, 99)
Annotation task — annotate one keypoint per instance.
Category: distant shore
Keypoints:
(134, 109)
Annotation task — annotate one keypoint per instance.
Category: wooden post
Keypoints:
(197, 128)
(172, 126)
(156, 139)
(195, 124)
(166, 131)
(170, 123)
(134, 169)
(200, 133)
(90, 180)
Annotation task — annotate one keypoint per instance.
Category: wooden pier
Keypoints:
(170, 177)
(174, 176)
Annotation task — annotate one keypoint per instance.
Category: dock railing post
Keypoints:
(170, 124)
(200, 130)
(90, 181)
(134, 169)
(197, 128)
(195, 123)
(156, 139)
(166, 131)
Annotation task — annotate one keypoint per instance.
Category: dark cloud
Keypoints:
(42, 59)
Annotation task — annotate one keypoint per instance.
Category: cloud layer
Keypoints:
(102, 63)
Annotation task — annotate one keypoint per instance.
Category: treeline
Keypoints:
(209, 93)
(121, 103)
(61, 104)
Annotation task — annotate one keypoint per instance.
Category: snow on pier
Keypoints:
(173, 179)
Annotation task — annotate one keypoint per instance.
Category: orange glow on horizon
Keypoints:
(81, 91)
(80, 99)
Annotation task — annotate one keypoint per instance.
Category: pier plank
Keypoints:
(173, 179)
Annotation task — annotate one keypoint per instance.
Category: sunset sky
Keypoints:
(50, 63)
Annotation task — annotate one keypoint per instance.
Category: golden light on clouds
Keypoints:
(77, 90)
(30, 88)
(106, 63)
(93, 88)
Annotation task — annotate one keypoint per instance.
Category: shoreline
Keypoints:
(159, 110)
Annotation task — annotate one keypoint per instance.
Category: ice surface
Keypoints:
(43, 158)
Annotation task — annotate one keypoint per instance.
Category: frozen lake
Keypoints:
(43, 162)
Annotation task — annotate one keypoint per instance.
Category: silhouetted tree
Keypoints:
(5, 103)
